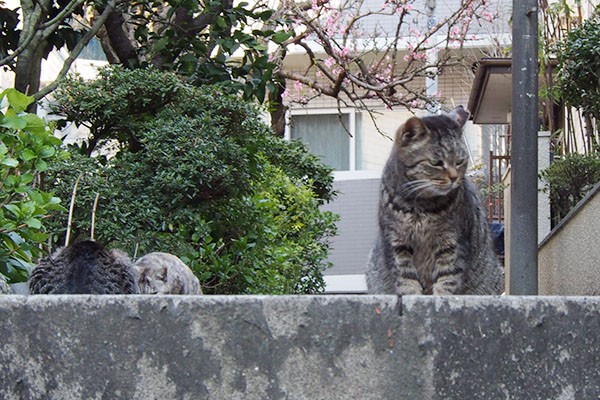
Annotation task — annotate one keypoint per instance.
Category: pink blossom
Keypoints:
(329, 62)
(286, 93)
(344, 51)
(298, 86)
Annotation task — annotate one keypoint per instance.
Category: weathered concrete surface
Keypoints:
(309, 347)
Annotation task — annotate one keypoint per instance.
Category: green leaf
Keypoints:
(221, 22)
(41, 165)
(13, 208)
(38, 237)
(18, 100)
(53, 140)
(47, 151)
(27, 155)
(10, 162)
(161, 44)
(35, 196)
(33, 223)
(265, 15)
(13, 123)
(282, 36)
(34, 123)
(10, 181)
(26, 178)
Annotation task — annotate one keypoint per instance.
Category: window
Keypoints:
(93, 51)
(326, 136)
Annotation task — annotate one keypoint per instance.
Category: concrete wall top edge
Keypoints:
(241, 300)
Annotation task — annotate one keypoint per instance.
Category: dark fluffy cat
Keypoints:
(84, 268)
(433, 234)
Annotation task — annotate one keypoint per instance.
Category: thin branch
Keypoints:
(9, 58)
(77, 50)
(71, 208)
(94, 215)
(68, 9)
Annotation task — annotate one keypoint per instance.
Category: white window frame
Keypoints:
(322, 111)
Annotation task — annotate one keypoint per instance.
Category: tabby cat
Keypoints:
(433, 234)
(84, 268)
(164, 273)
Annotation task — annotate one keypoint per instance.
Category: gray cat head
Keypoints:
(432, 154)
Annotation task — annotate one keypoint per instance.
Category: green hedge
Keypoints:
(197, 174)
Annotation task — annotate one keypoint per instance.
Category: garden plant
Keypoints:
(195, 172)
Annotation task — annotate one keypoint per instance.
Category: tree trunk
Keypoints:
(28, 71)
(29, 63)
(120, 41)
(277, 111)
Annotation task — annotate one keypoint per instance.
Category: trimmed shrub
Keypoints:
(206, 180)
(568, 180)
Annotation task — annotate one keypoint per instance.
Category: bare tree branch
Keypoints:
(78, 48)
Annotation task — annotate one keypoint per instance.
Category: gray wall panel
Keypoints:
(357, 206)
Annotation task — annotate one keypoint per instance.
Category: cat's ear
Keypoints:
(459, 115)
(410, 131)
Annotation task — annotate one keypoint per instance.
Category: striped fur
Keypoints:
(433, 234)
(84, 268)
(164, 273)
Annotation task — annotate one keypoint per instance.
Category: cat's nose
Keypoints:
(452, 174)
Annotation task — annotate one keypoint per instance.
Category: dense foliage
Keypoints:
(27, 146)
(200, 175)
(579, 67)
(568, 180)
(578, 77)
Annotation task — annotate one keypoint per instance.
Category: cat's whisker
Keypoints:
(411, 187)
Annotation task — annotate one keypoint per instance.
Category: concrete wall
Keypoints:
(568, 257)
(309, 347)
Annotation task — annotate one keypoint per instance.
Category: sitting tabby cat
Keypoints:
(433, 234)
(164, 273)
(84, 268)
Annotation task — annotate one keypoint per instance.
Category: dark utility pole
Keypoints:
(525, 126)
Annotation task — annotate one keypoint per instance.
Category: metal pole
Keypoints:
(525, 125)
(431, 83)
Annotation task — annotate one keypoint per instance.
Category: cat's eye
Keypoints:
(461, 161)
(436, 163)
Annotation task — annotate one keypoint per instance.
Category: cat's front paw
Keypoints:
(411, 287)
(441, 291)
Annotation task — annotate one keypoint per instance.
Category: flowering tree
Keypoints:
(359, 53)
